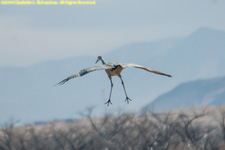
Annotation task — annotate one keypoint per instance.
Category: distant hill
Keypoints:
(27, 93)
(195, 93)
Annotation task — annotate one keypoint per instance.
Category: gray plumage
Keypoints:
(85, 71)
(112, 69)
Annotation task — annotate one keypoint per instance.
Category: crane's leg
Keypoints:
(127, 98)
(109, 101)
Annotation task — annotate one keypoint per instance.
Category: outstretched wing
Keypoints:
(141, 67)
(85, 71)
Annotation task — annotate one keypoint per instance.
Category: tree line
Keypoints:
(184, 130)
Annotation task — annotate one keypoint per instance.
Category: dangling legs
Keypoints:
(109, 101)
(127, 98)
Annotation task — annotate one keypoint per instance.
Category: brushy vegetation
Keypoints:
(184, 130)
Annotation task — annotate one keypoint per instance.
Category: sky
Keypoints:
(36, 33)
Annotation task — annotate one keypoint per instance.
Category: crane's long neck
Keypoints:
(103, 62)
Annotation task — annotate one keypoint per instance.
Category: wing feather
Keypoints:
(85, 71)
(141, 67)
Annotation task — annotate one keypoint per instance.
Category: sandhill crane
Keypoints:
(112, 69)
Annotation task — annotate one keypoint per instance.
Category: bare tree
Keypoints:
(7, 139)
(150, 131)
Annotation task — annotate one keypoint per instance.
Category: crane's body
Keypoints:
(115, 70)
(112, 69)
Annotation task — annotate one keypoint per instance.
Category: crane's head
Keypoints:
(99, 58)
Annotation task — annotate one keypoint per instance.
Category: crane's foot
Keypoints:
(127, 100)
(108, 102)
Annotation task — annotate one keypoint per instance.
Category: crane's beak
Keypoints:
(96, 61)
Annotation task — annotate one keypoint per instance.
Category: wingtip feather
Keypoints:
(61, 82)
(170, 76)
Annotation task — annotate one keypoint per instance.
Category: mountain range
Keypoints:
(28, 94)
(207, 92)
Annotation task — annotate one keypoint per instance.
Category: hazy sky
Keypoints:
(32, 34)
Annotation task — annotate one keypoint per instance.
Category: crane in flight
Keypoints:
(112, 69)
